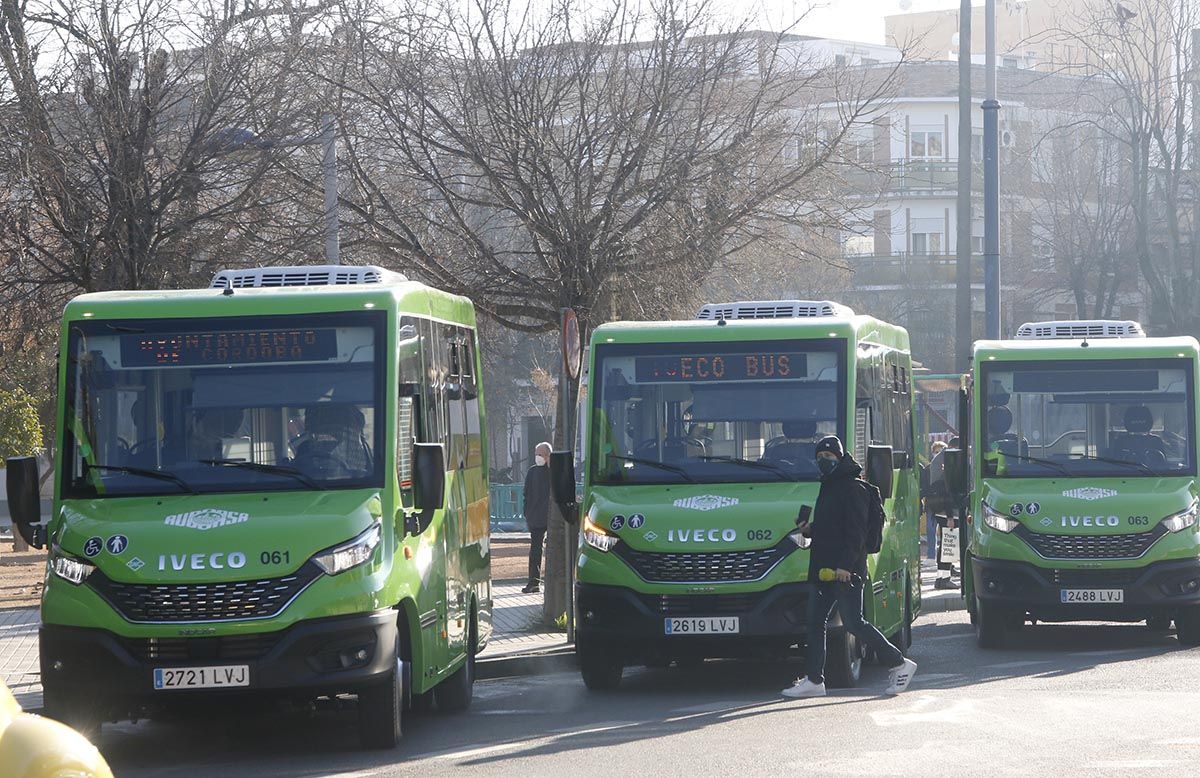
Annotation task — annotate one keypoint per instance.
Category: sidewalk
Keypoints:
(517, 624)
(19, 655)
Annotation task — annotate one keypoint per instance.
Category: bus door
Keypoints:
(455, 529)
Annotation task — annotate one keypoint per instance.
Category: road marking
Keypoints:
(924, 710)
(711, 707)
(1179, 741)
(354, 774)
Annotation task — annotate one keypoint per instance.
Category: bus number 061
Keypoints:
(275, 557)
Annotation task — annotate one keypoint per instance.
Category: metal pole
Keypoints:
(991, 181)
(564, 398)
(963, 310)
(329, 169)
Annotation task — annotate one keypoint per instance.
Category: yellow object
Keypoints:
(36, 747)
(826, 574)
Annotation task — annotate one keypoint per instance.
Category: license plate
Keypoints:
(201, 677)
(1092, 595)
(707, 625)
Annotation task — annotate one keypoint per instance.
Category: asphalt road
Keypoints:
(1063, 700)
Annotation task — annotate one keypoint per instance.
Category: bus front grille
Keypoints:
(220, 601)
(226, 648)
(1128, 546)
(706, 567)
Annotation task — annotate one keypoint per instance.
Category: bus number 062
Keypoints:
(758, 534)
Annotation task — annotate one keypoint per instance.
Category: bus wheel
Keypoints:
(903, 638)
(990, 624)
(1158, 623)
(380, 709)
(454, 694)
(843, 660)
(600, 666)
(76, 711)
(1187, 626)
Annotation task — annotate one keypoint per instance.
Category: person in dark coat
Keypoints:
(839, 544)
(537, 512)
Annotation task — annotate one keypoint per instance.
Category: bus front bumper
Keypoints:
(308, 659)
(770, 623)
(1156, 589)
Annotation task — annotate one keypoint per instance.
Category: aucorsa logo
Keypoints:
(206, 519)
(706, 502)
(1090, 493)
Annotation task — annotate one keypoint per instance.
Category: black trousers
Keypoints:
(537, 538)
(848, 597)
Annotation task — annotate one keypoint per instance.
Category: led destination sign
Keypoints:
(238, 347)
(698, 368)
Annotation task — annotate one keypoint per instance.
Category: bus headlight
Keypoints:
(998, 521)
(69, 568)
(352, 553)
(1177, 522)
(597, 537)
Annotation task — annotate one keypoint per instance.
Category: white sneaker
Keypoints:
(804, 688)
(902, 676)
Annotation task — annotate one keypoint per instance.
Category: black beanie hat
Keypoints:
(830, 443)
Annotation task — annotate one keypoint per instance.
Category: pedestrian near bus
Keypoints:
(838, 531)
(537, 512)
(934, 492)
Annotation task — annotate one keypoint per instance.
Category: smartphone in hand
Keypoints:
(804, 520)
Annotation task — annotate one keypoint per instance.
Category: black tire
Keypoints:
(1187, 626)
(381, 710)
(843, 660)
(454, 694)
(1158, 623)
(903, 638)
(991, 625)
(600, 666)
(78, 712)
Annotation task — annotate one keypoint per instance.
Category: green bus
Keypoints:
(699, 454)
(275, 486)
(1082, 479)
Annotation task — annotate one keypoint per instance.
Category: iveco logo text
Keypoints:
(707, 502)
(206, 519)
(701, 535)
(1091, 521)
(1090, 493)
(218, 560)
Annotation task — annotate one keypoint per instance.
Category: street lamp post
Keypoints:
(991, 181)
(237, 139)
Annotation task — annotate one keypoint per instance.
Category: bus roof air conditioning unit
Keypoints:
(310, 275)
(773, 309)
(1077, 330)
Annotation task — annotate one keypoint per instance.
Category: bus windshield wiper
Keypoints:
(161, 475)
(1110, 460)
(1059, 466)
(676, 469)
(259, 467)
(753, 463)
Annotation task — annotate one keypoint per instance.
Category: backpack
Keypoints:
(875, 518)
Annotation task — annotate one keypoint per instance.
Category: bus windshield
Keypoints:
(223, 405)
(1121, 418)
(714, 413)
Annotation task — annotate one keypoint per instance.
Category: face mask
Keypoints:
(539, 460)
(826, 465)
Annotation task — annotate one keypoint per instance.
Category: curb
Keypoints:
(943, 604)
(534, 663)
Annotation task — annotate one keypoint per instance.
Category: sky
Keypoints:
(856, 20)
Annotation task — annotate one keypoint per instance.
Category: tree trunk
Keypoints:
(561, 535)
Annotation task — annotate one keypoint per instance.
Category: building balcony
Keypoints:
(914, 177)
(909, 270)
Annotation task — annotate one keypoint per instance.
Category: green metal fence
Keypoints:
(507, 507)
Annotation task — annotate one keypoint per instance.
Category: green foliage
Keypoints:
(20, 429)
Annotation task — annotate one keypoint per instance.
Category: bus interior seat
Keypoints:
(1138, 443)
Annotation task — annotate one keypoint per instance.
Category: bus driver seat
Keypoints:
(796, 446)
(999, 424)
(1138, 443)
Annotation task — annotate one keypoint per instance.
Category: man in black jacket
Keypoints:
(537, 512)
(839, 539)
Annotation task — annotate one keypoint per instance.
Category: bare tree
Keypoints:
(1145, 54)
(1084, 212)
(537, 159)
(115, 168)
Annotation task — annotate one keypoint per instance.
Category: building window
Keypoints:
(927, 243)
(858, 245)
(1010, 62)
(976, 244)
(977, 147)
(924, 144)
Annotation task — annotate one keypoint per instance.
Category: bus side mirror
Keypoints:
(562, 483)
(24, 501)
(879, 469)
(955, 462)
(429, 465)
